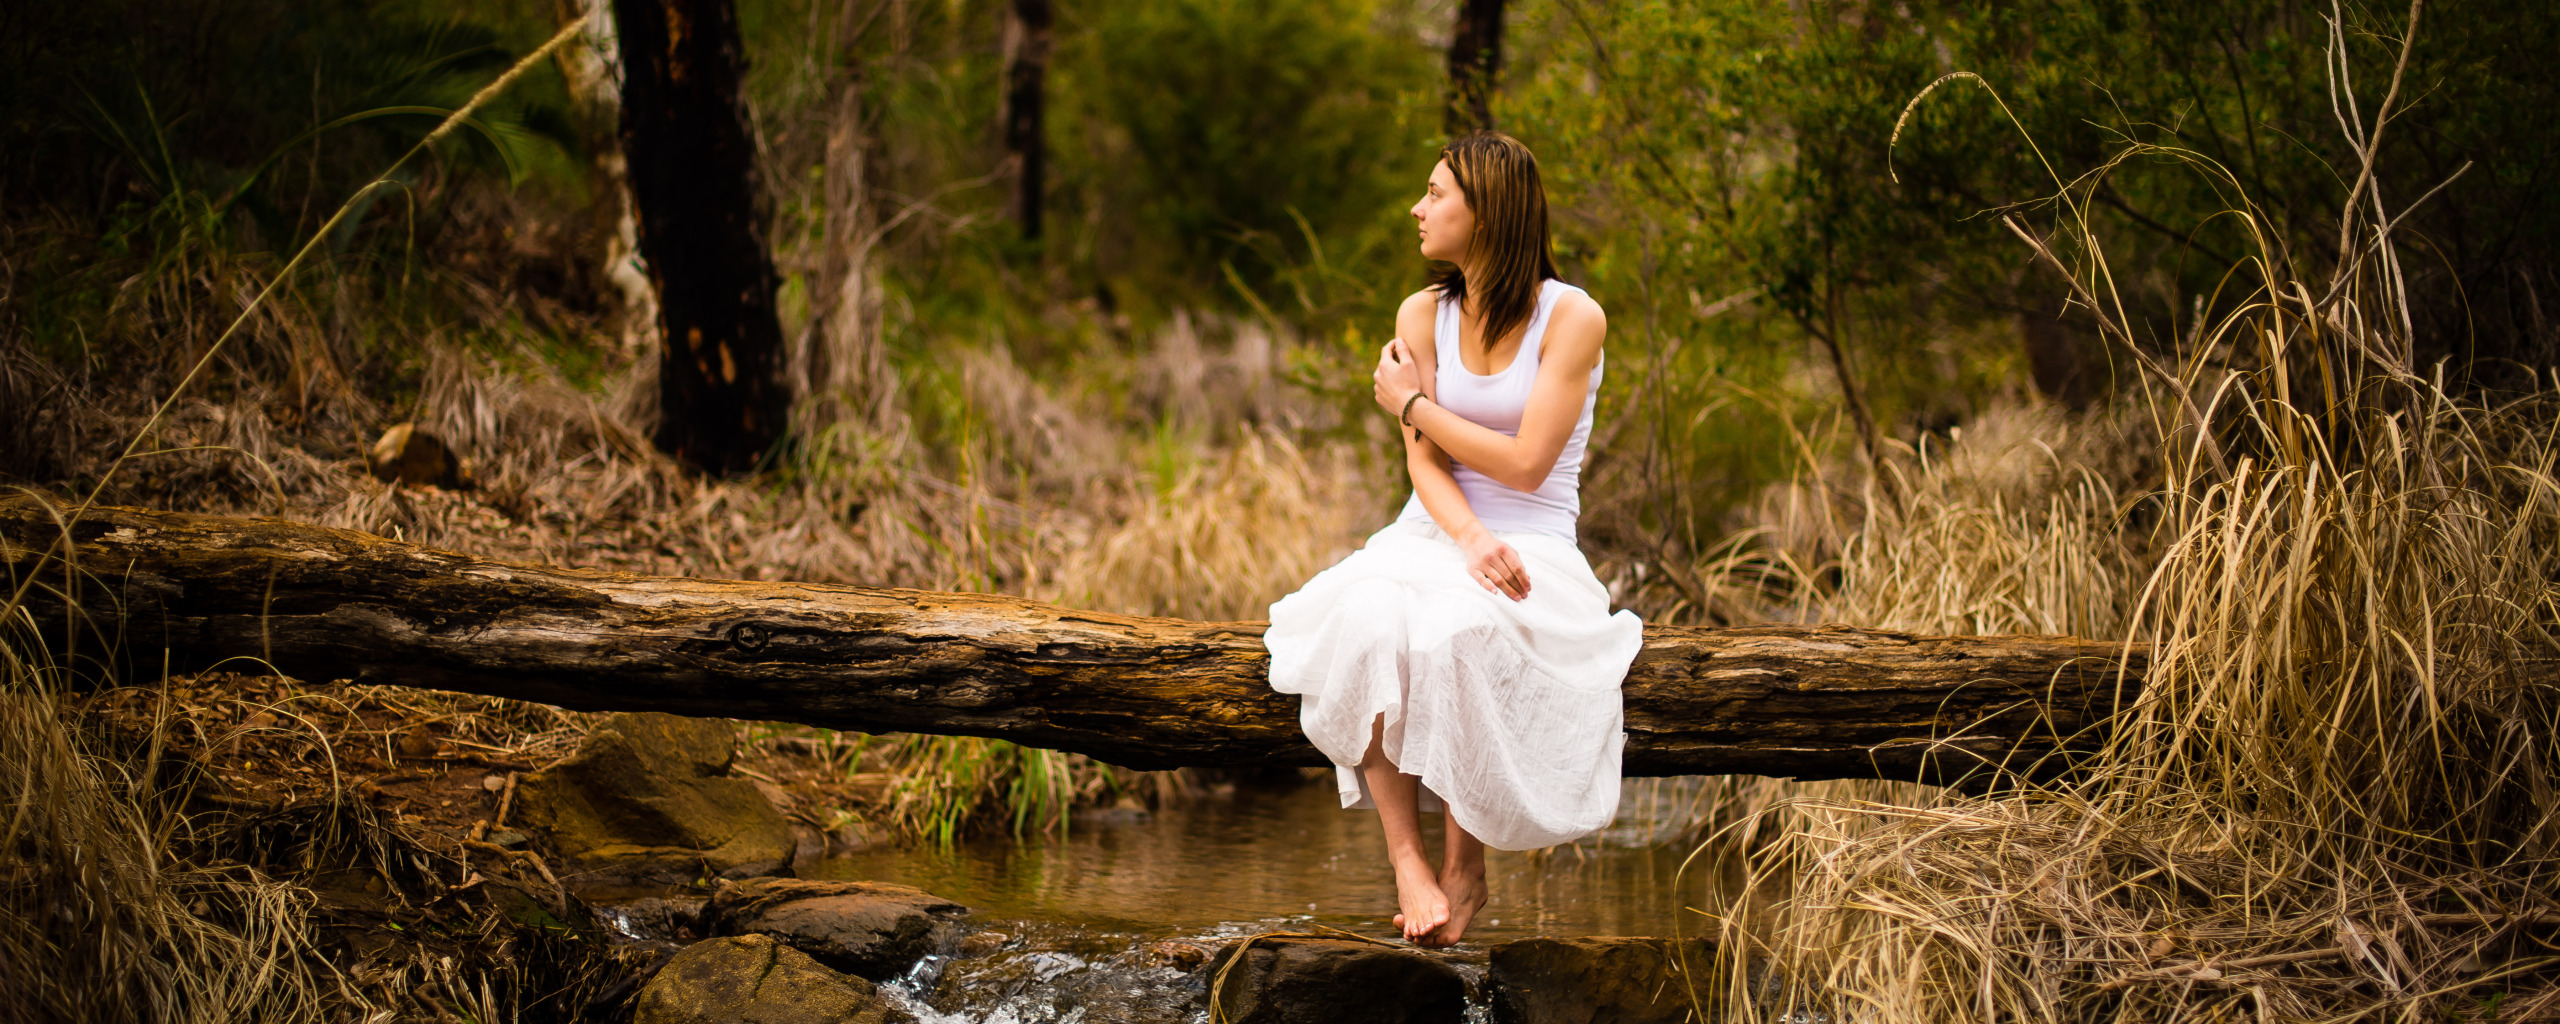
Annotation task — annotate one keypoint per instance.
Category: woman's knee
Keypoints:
(1377, 749)
(1374, 600)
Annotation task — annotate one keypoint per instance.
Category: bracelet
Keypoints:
(1406, 414)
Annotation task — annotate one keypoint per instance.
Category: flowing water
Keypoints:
(1108, 923)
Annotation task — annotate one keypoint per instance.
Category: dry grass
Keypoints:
(1231, 534)
(226, 847)
(2008, 525)
(100, 921)
(2332, 800)
(1163, 480)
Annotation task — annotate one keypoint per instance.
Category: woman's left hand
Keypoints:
(1397, 378)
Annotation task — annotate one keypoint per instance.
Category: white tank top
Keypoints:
(1497, 401)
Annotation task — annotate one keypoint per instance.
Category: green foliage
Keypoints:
(192, 143)
(1700, 149)
(262, 107)
(1764, 135)
(948, 783)
(1227, 121)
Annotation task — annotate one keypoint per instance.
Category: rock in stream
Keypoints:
(1594, 980)
(1336, 981)
(874, 929)
(752, 979)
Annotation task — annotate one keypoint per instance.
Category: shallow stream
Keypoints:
(1097, 922)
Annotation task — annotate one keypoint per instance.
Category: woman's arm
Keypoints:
(1492, 563)
(1569, 351)
(1433, 479)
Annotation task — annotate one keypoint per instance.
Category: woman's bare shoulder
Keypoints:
(1415, 317)
(1579, 305)
(1424, 302)
(1577, 323)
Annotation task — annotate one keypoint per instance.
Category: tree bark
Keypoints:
(1026, 65)
(721, 397)
(322, 604)
(1475, 62)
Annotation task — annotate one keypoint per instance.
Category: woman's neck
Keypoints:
(1474, 301)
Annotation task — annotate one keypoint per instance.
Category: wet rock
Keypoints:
(808, 845)
(654, 917)
(649, 797)
(1181, 956)
(1593, 980)
(1027, 983)
(1336, 981)
(752, 979)
(983, 943)
(874, 929)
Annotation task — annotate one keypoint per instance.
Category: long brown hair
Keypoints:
(1499, 177)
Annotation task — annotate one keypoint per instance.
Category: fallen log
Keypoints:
(322, 605)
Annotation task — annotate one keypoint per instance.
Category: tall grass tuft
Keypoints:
(100, 918)
(2333, 798)
(946, 784)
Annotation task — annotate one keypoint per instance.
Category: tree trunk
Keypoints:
(322, 604)
(588, 71)
(722, 400)
(1870, 436)
(1026, 63)
(1475, 61)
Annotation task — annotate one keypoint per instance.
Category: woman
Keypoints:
(1465, 657)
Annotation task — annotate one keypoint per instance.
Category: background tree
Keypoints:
(722, 398)
(1475, 65)
(1026, 44)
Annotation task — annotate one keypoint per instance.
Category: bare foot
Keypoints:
(1466, 893)
(1425, 906)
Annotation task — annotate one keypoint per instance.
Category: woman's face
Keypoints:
(1446, 223)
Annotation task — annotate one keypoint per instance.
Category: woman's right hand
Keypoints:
(1396, 380)
(1494, 566)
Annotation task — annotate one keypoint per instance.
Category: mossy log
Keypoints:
(322, 604)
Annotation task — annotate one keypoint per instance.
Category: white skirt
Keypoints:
(1508, 710)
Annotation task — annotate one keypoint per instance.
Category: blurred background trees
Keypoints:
(1076, 300)
(1062, 182)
